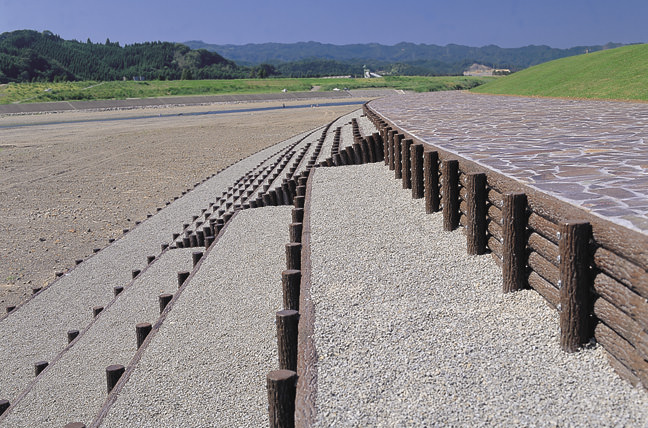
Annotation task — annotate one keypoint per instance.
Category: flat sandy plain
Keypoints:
(70, 181)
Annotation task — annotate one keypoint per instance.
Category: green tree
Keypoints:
(186, 74)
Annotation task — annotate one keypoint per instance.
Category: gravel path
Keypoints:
(410, 331)
(222, 334)
(74, 388)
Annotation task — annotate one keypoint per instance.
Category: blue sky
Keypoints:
(507, 23)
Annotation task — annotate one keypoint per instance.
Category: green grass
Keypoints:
(619, 74)
(74, 91)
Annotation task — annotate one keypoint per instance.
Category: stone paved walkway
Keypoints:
(593, 154)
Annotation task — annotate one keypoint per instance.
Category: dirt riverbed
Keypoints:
(70, 181)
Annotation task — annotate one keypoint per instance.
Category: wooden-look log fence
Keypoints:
(592, 271)
(282, 383)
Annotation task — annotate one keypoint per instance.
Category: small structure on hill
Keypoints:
(368, 74)
(484, 70)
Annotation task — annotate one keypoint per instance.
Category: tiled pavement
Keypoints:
(593, 154)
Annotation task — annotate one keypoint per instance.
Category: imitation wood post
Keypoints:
(379, 146)
(344, 158)
(267, 200)
(417, 171)
(406, 162)
(72, 334)
(450, 197)
(398, 167)
(431, 178)
(366, 151)
(39, 366)
(164, 300)
(297, 215)
(476, 213)
(287, 321)
(113, 373)
(371, 144)
(142, 330)
(392, 138)
(575, 282)
(514, 254)
(282, 387)
(357, 153)
(290, 283)
(299, 201)
(293, 256)
(182, 277)
(196, 256)
(385, 138)
(295, 230)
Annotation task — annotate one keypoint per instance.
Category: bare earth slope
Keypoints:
(65, 189)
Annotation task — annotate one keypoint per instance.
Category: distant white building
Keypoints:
(368, 74)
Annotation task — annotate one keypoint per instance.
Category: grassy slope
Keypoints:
(69, 91)
(620, 74)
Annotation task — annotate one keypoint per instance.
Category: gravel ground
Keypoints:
(223, 336)
(70, 181)
(366, 126)
(74, 389)
(37, 331)
(410, 331)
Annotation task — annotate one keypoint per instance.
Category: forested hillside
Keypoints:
(27, 56)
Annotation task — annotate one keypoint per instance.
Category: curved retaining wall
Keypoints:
(591, 270)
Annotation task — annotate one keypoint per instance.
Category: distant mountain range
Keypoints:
(441, 57)
(29, 56)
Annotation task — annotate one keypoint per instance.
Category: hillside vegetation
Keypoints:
(28, 56)
(92, 90)
(620, 74)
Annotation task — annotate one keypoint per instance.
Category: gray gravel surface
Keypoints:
(366, 126)
(208, 363)
(37, 330)
(74, 388)
(410, 331)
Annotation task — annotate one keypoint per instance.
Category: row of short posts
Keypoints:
(242, 188)
(421, 170)
(335, 147)
(142, 330)
(367, 149)
(282, 383)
